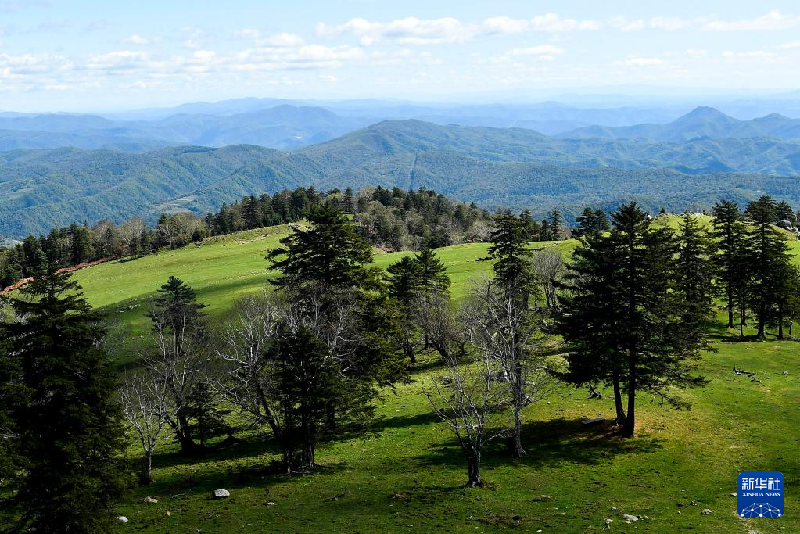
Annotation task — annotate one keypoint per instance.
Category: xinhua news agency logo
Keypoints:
(760, 494)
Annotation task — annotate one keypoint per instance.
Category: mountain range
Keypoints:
(494, 167)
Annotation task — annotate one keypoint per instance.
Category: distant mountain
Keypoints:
(510, 167)
(282, 127)
(701, 123)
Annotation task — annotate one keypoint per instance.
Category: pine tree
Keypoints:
(513, 274)
(179, 359)
(731, 261)
(328, 257)
(556, 225)
(769, 259)
(623, 320)
(60, 397)
(694, 277)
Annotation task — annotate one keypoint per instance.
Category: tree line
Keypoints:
(306, 357)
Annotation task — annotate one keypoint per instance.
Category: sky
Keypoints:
(80, 55)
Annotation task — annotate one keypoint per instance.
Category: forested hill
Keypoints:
(703, 122)
(493, 167)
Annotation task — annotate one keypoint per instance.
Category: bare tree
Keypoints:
(434, 315)
(510, 335)
(180, 355)
(549, 268)
(130, 234)
(250, 380)
(470, 401)
(144, 404)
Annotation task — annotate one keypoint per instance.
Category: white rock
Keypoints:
(630, 518)
(706, 511)
(150, 500)
(122, 519)
(221, 494)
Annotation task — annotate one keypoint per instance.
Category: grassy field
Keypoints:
(407, 474)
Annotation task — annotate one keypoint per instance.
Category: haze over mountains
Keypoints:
(197, 161)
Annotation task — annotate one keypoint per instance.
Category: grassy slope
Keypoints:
(406, 475)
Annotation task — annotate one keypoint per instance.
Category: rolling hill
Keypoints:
(701, 123)
(493, 167)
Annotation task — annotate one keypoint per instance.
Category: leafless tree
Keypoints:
(548, 267)
(180, 359)
(130, 233)
(249, 382)
(144, 404)
(470, 401)
(434, 315)
(509, 335)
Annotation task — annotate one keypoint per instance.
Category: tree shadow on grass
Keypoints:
(550, 444)
(403, 421)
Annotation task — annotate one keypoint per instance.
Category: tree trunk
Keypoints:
(630, 419)
(517, 451)
(474, 471)
(730, 309)
(147, 469)
(618, 399)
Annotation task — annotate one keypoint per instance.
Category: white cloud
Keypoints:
(696, 52)
(627, 25)
(545, 52)
(671, 23)
(753, 54)
(790, 46)
(639, 62)
(774, 20)
(550, 22)
(137, 40)
(280, 39)
(408, 31)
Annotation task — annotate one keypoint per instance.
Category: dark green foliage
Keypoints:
(57, 394)
(510, 254)
(329, 255)
(694, 273)
(731, 262)
(591, 222)
(769, 263)
(624, 317)
(202, 410)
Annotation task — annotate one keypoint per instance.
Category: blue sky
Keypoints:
(114, 54)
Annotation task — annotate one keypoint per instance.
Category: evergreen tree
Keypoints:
(769, 261)
(512, 272)
(59, 393)
(694, 278)
(329, 256)
(556, 225)
(623, 321)
(731, 261)
(179, 358)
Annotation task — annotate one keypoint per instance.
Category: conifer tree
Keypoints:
(731, 261)
(179, 358)
(624, 318)
(59, 395)
(694, 277)
(769, 261)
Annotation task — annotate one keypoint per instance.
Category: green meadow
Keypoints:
(406, 474)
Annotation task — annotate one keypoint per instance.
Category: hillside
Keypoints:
(701, 123)
(490, 166)
(406, 474)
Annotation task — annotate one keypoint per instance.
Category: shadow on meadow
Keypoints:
(550, 444)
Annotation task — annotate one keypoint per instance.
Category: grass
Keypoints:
(407, 474)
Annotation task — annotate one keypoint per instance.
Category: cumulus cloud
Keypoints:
(627, 25)
(550, 22)
(772, 21)
(280, 39)
(408, 31)
(639, 62)
(790, 45)
(137, 40)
